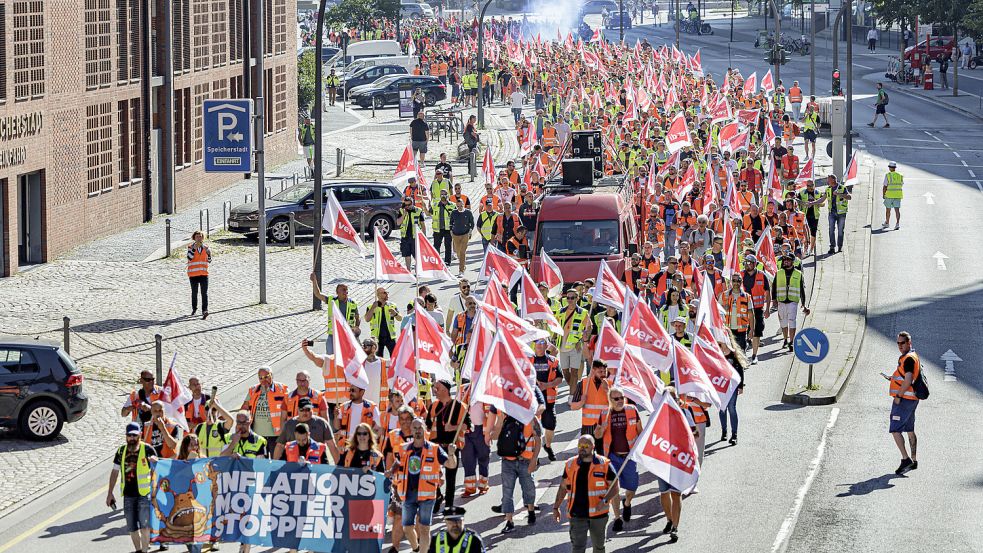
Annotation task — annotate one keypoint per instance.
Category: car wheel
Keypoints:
(279, 230)
(381, 225)
(41, 420)
(430, 100)
(379, 102)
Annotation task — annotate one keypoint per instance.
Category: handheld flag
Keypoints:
(348, 351)
(386, 266)
(175, 396)
(338, 226)
(666, 447)
(428, 261)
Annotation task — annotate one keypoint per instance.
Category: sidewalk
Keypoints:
(966, 103)
(838, 303)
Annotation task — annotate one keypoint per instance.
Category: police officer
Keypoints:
(454, 537)
(409, 220)
(838, 199)
(331, 81)
(892, 193)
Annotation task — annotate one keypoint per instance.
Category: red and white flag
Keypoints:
(666, 447)
(690, 378)
(610, 345)
(608, 290)
(402, 368)
(529, 140)
(505, 267)
(774, 184)
(678, 136)
(710, 312)
(386, 267)
(406, 167)
(478, 346)
(429, 265)
(550, 273)
(175, 396)
(765, 250)
(488, 167)
(687, 183)
(348, 353)
(710, 195)
(504, 384)
(751, 84)
(338, 226)
(721, 112)
(805, 174)
(495, 296)
(432, 344)
(747, 117)
(509, 321)
(770, 134)
(638, 381)
(732, 254)
(645, 336)
(722, 374)
(768, 83)
(726, 133)
(851, 177)
(534, 306)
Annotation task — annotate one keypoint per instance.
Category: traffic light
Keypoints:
(837, 91)
(782, 56)
(770, 57)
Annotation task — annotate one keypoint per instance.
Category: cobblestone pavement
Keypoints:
(117, 303)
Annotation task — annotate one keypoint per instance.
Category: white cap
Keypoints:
(892, 164)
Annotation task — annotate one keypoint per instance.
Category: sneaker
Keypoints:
(618, 525)
(831, 250)
(791, 347)
(468, 493)
(723, 436)
(733, 440)
(785, 342)
(754, 359)
(194, 311)
(839, 250)
(674, 535)
(626, 513)
(668, 528)
(887, 125)
(204, 315)
(509, 527)
(884, 225)
(897, 226)
(870, 124)
(904, 467)
(531, 519)
(497, 509)
(914, 465)
(550, 454)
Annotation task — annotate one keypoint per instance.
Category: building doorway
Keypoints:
(30, 218)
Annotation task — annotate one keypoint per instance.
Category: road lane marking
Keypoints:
(864, 66)
(950, 370)
(956, 153)
(905, 121)
(793, 515)
(963, 161)
(48, 521)
(940, 260)
(971, 173)
(978, 185)
(937, 139)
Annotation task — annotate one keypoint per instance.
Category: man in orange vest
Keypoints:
(756, 284)
(618, 430)
(199, 256)
(303, 449)
(588, 512)
(353, 412)
(736, 304)
(905, 401)
(265, 404)
(591, 396)
(137, 405)
(795, 98)
(790, 164)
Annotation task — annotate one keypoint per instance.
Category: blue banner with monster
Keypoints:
(321, 508)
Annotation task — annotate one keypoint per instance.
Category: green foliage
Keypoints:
(901, 12)
(305, 79)
(972, 22)
(349, 13)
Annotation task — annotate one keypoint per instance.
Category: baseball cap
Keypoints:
(304, 403)
(680, 320)
(133, 429)
(892, 164)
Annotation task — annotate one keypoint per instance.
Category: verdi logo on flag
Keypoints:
(663, 443)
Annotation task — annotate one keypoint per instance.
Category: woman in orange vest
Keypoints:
(618, 430)
(363, 452)
(199, 256)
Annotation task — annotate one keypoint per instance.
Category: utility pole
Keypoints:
(812, 49)
(848, 20)
(778, 39)
(481, 62)
(675, 21)
(732, 20)
(621, 21)
(260, 104)
(318, 149)
(955, 62)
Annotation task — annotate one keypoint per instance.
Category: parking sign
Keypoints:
(228, 137)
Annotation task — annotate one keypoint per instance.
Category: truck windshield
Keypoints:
(565, 238)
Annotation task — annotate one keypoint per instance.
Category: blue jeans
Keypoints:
(836, 225)
(137, 513)
(732, 409)
(412, 507)
(512, 470)
(517, 114)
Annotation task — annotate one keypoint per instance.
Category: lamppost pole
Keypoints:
(621, 21)
(481, 61)
(318, 146)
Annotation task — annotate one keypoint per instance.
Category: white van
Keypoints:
(364, 49)
(406, 61)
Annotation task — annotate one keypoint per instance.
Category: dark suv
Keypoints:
(385, 91)
(379, 201)
(40, 387)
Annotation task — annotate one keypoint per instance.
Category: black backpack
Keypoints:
(886, 99)
(920, 385)
(512, 440)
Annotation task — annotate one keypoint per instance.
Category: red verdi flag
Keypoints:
(550, 273)
(488, 167)
(666, 447)
(348, 353)
(851, 177)
(386, 266)
(433, 346)
(504, 384)
(722, 374)
(496, 297)
(678, 136)
(403, 366)
(767, 83)
(690, 378)
(505, 267)
(338, 226)
(608, 290)
(428, 261)
(646, 337)
(751, 84)
(805, 174)
(534, 306)
(610, 345)
(765, 248)
(638, 380)
(175, 396)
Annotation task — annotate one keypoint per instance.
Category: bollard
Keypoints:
(208, 224)
(225, 214)
(167, 238)
(361, 223)
(373, 109)
(295, 179)
(810, 377)
(339, 161)
(158, 352)
(66, 335)
(473, 164)
(293, 229)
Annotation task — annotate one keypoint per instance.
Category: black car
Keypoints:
(385, 91)
(372, 74)
(611, 20)
(379, 201)
(40, 387)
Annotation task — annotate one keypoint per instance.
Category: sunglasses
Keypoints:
(147, 379)
(617, 399)
(902, 342)
(361, 433)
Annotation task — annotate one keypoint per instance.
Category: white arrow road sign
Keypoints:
(940, 260)
(929, 198)
(950, 370)
(812, 350)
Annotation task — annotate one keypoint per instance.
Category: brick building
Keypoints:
(101, 110)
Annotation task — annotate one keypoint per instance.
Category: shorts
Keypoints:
(903, 416)
(137, 513)
(880, 109)
(549, 417)
(572, 359)
(665, 487)
(412, 508)
(407, 247)
(628, 480)
(419, 146)
(759, 322)
(787, 313)
(309, 150)
(809, 135)
(813, 223)
(892, 203)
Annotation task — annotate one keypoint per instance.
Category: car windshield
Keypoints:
(565, 238)
(294, 194)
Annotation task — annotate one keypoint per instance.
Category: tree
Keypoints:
(350, 13)
(973, 20)
(386, 9)
(305, 79)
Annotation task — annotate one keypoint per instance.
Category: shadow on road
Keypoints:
(870, 485)
(112, 523)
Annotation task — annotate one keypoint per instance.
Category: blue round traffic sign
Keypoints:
(811, 345)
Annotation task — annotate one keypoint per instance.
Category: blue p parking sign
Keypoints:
(228, 138)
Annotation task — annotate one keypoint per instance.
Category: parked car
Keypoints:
(598, 7)
(370, 75)
(414, 10)
(385, 91)
(40, 387)
(937, 46)
(611, 20)
(379, 201)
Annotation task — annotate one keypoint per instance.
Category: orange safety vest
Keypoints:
(597, 484)
(897, 379)
(368, 417)
(383, 386)
(528, 432)
(554, 367)
(651, 264)
(461, 323)
(631, 432)
(165, 450)
(758, 292)
(196, 415)
(135, 400)
(716, 278)
(595, 400)
(430, 478)
(461, 412)
(290, 405)
(655, 231)
(335, 384)
(790, 166)
(696, 410)
(395, 440)
(514, 247)
(416, 194)
(549, 137)
(632, 275)
(795, 95)
(314, 452)
(736, 305)
(198, 264)
(276, 397)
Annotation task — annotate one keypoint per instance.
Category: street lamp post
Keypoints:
(318, 147)
(848, 22)
(621, 21)
(778, 39)
(732, 20)
(257, 54)
(675, 21)
(481, 60)
(812, 48)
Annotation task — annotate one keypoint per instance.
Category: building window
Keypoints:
(279, 26)
(201, 94)
(267, 27)
(268, 100)
(181, 35)
(220, 35)
(235, 87)
(202, 34)
(130, 123)
(182, 127)
(3, 57)
(99, 148)
(98, 44)
(219, 89)
(280, 98)
(128, 24)
(28, 49)
(235, 30)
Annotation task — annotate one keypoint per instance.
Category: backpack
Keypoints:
(920, 385)
(886, 100)
(512, 440)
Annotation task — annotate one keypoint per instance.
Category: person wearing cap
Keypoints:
(454, 537)
(892, 192)
(838, 199)
(713, 276)
(318, 427)
(756, 284)
(353, 412)
(679, 331)
(788, 291)
(135, 459)
(410, 220)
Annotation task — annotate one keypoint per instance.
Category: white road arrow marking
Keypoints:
(811, 349)
(950, 370)
(929, 198)
(940, 260)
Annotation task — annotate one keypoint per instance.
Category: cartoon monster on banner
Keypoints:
(321, 508)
